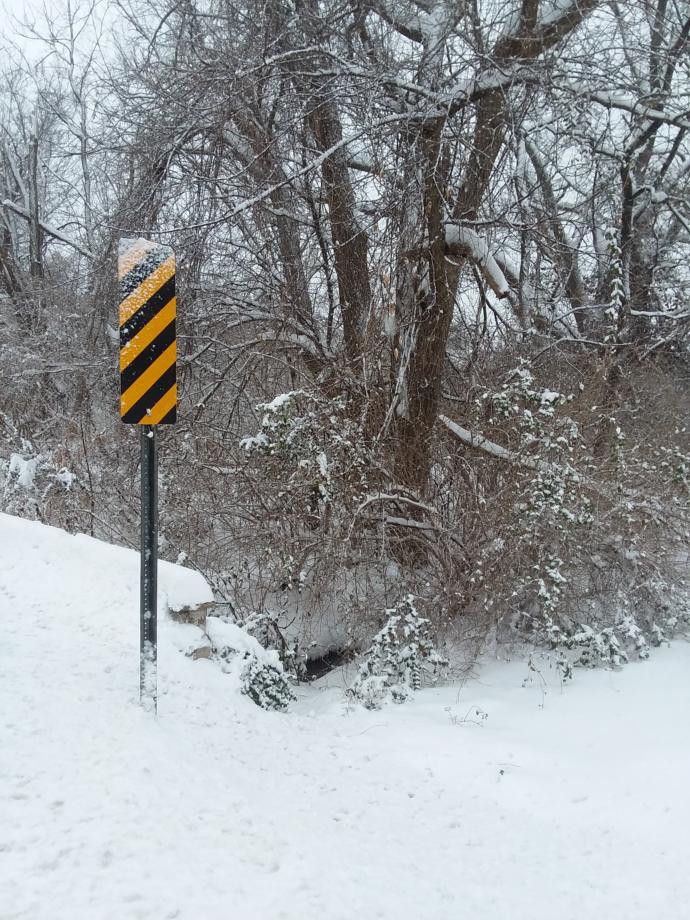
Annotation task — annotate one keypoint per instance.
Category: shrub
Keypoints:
(400, 657)
(593, 645)
(258, 671)
(265, 629)
(27, 480)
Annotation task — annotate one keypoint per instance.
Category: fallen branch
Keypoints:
(51, 231)
(479, 442)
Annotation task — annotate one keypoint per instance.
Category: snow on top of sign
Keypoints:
(127, 242)
(144, 255)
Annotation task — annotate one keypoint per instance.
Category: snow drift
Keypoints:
(488, 800)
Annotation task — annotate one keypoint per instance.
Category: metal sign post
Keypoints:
(148, 384)
(148, 620)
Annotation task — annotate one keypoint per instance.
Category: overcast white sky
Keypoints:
(13, 13)
(13, 10)
(13, 6)
(16, 8)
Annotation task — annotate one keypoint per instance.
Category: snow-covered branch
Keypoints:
(394, 497)
(463, 241)
(526, 42)
(479, 442)
(404, 21)
(626, 102)
(51, 231)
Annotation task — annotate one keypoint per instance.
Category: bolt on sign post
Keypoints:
(148, 382)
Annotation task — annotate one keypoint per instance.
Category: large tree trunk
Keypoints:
(422, 353)
(422, 361)
(425, 311)
(349, 239)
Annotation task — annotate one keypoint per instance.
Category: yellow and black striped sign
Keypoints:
(148, 351)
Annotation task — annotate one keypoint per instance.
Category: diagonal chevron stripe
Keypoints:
(148, 379)
(145, 289)
(139, 412)
(131, 253)
(137, 262)
(170, 418)
(147, 356)
(147, 311)
(136, 345)
(164, 408)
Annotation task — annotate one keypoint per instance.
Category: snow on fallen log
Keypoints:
(468, 243)
(478, 441)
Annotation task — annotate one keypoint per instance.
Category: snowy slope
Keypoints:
(577, 808)
(111, 571)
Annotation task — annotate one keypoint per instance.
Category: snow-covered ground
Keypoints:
(572, 805)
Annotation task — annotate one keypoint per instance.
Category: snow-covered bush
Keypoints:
(582, 562)
(266, 630)
(258, 671)
(597, 646)
(304, 474)
(266, 684)
(594, 644)
(401, 657)
(314, 446)
(28, 478)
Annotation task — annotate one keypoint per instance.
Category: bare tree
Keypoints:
(393, 213)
